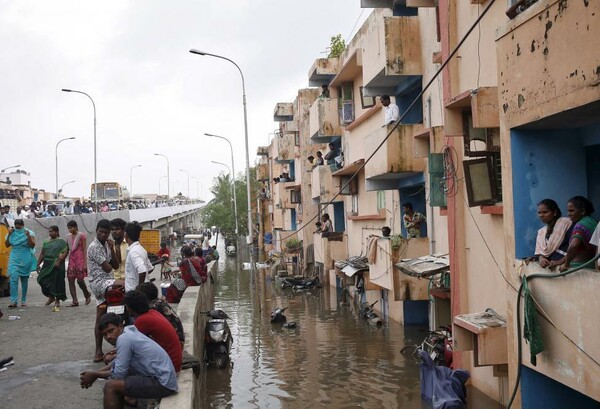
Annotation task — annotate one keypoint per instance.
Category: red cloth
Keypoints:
(166, 252)
(188, 275)
(155, 326)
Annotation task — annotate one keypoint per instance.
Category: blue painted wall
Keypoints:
(406, 97)
(339, 218)
(539, 391)
(293, 217)
(416, 313)
(546, 164)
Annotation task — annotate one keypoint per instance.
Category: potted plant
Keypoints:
(293, 244)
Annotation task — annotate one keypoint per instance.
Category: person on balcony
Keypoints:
(553, 239)
(319, 159)
(412, 221)
(326, 225)
(331, 155)
(391, 111)
(580, 249)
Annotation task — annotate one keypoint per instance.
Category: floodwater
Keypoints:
(333, 359)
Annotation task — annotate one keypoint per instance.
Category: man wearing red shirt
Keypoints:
(152, 324)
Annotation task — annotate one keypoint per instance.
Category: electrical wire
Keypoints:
(412, 104)
(355, 24)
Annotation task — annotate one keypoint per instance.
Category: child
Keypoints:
(77, 269)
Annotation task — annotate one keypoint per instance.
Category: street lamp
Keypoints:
(63, 185)
(56, 159)
(233, 172)
(131, 178)
(188, 175)
(197, 186)
(95, 198)
(168, 175)
(250, 226)
(10, 167)
(159, 179)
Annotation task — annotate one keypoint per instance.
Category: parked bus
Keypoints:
(110, 192)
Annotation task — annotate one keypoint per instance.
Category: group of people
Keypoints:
(566, 242)
(333, 158)
(32, 211)
(284, 177)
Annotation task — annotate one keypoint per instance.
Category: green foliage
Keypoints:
(220, 210)
(396, 240)
(337, 46)
(293, 243)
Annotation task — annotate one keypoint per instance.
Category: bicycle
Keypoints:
(437, 344)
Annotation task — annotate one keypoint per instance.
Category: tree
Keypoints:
(336, 47)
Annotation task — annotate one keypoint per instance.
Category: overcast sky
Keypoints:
(151, 94)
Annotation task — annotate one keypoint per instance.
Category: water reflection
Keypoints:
(333, 358)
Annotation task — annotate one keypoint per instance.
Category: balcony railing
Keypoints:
(396, 158)
(262, 172)
(284, 111)
(285, 148)
(323, 71)
(392, 53)
(329, 249)
(283, 198)
(323, 185)
(324, 120)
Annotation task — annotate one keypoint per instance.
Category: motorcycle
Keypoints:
(366, 311)
(230, 250)
(218, 339)
(298, 284)
(277, 315)
(115, 301)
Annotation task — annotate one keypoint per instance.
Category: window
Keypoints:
(346, 103)
(380, 199)
(366, 102)
(437, 180)
(295, 196)
(479, 141)
(354, 205)
(348, 188)
(297, 138)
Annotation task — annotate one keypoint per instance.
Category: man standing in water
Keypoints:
(101, 262)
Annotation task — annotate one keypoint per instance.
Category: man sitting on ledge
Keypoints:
(141, 370)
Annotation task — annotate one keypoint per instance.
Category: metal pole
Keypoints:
(188, 176)
(168, 176)
(131, 178)
(250, 227)
(95, 198)
(235, 211)
(56, 159)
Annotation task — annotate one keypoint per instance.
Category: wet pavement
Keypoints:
(332, 359)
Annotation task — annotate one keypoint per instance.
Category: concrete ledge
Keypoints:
(194, 300)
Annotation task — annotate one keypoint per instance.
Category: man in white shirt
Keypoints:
(595, 241)
(137, 264)
(391, 111)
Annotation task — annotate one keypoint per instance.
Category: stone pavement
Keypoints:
(50, 350)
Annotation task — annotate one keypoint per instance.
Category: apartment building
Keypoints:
(511, 119)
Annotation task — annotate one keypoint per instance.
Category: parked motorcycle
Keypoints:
(298, 284)
(218, 339)
(115, 300)
(366, 311)
(277, 315)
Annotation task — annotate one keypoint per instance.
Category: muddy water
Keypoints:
(333, 359)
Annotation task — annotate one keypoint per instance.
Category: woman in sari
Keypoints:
(580, 249)
(21, 261)
(192, 274)
(51, 265)
(552, 240)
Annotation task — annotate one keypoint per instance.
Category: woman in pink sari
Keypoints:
(77, 269)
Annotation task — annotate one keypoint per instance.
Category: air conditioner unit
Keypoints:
(347, 112)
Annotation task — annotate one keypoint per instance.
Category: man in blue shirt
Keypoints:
(141, 370)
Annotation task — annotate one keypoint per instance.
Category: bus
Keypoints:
(109, 192)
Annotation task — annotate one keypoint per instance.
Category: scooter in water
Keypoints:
(366, 311)
(218, 339)
(277, 315)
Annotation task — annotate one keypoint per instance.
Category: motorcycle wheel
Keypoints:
(221, 360)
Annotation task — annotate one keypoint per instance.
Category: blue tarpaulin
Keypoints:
(441, 386)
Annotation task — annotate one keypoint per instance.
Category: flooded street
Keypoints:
(332, 359)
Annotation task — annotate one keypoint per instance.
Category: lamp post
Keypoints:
(10, 167)
(63, 185)
(95, 198)
(56, 159)
(131, 177)
(168, 175)
(233, 173)
(159, 179)
(250, 226)
(188, 175)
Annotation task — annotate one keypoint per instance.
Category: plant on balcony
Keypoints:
(337, 46)
(293, 244)
(396, 240)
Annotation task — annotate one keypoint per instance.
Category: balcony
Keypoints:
(383, 274)
(285, 148)
(324, 123)
(395, 160)
(323, 71)
(262, 172)
(278, 218)
(284, 111)
(282, 194)
(322, 184)
(329, 249)
(548, 76)
(262, 151)
(289, 127)
(392, 53)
